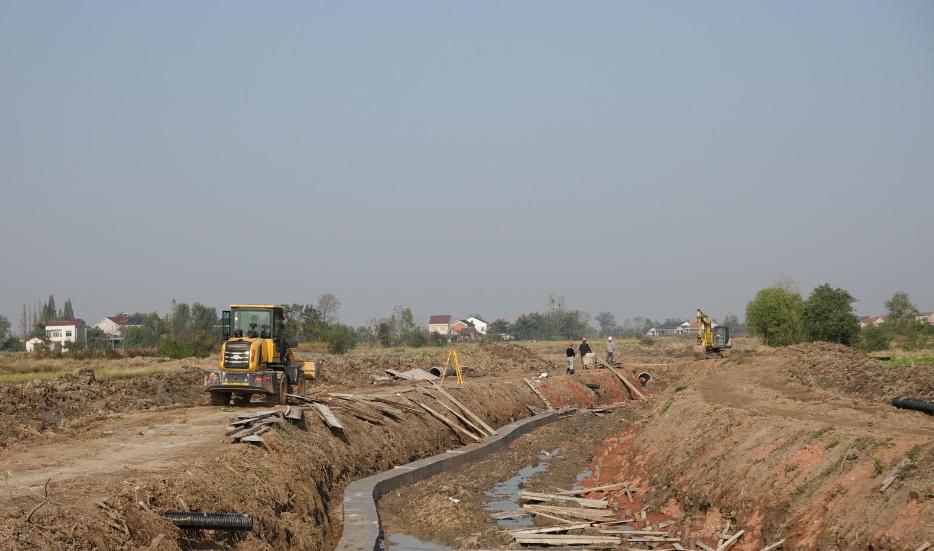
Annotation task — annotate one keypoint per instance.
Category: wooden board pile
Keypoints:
(377, 408)
(591, 524)
(249, 427)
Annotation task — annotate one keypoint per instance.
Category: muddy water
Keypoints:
(406, 542)
(505, 495)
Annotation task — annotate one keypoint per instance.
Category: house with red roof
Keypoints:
(112, 326)
(440, 324)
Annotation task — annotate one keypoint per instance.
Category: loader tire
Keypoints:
(220, 398)
(280, 396)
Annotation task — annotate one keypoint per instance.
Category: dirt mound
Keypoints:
(37, 406)
(843, 369)
(477, 360)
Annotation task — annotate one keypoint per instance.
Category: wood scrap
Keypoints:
(923, 547)
(453, 426)
(460, 416)
(625, 381)
(490, 430)
(558, 539)
(412, 375)
(294, 413)
(572, 512)
(255, 416)
(893, 474)
(704, 546)
(779, 543)
(583, 502)
(359, 412)
(506, 515)
(539, 394)
(726, 545)
(328, 416)
(583, 491)
(551, 529)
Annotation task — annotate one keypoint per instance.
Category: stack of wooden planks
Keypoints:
(249, 427)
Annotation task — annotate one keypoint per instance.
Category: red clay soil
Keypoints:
(778, 458)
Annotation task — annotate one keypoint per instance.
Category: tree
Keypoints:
(829, 316)
(607, 323)
(902, 319)
(328, 306)
(383, 333)
(775, 316)
(49, 313)
(731, 321)
(341, 338)
(4, 326)
(68, 312)
(874, 337)
(498, 327)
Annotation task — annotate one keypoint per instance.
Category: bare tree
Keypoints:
(328, 306)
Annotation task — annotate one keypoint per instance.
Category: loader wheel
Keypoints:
(300, 387)
(220, 398)
(280, 397)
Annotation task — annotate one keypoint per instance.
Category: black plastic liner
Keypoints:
(210, 521)
(916, 404)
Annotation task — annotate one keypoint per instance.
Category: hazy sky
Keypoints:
(640, 157)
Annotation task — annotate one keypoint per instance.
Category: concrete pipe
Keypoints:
(436, 371)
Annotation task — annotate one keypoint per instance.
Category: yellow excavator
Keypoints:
(256, 358)
(712, 339)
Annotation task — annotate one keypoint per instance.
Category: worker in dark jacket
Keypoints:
(583, 350)
(569, 352)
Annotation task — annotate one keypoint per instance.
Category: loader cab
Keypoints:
(252, 321)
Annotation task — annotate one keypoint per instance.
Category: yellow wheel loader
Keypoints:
(712, 340)
(256, 358)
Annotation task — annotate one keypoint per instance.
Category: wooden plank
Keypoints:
(553, 517)
(552, 529)
(329, 418)
(460, 416)
(584, 491)
(295, 413)
(923, 547)
(779, 543)
(572, 512)
(583, 502)
(704, 546)
(629, 493)
(625, 381)
(893, 474)
(504, 515)
(540, 395)
(453, 426)
(558, 539)
(257, 415)
(466, 410)
(726, 545)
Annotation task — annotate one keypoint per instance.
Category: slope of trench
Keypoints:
(738, 446)
(293, 486)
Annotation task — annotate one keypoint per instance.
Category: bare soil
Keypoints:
(790, 443)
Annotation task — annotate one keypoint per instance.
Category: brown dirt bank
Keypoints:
(32, 408)
(783, 459)
(292, 487)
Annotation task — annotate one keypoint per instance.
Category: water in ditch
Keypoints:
(505, 495)
(406, 542)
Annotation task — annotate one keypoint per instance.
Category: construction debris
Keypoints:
(412, 375)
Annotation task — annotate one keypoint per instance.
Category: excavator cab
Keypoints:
(255, 358)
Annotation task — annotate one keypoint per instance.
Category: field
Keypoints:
(790, 443)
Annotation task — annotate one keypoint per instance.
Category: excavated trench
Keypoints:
(738, 441)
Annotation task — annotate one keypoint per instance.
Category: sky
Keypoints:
(644, 158)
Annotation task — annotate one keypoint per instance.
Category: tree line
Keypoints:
(780, 317)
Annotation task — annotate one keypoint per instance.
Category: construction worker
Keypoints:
(584, 349)
(569, 352)
(609, 350)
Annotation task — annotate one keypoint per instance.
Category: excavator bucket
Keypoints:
(700, 352)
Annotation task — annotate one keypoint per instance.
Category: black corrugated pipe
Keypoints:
(916, 404)
(210, 521)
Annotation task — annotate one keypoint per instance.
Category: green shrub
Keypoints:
(874, 337)
(340, 338)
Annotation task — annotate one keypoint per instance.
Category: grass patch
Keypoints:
(877, 466)
(666, 405)
(901, 362)
(679, 388)
(822, 432)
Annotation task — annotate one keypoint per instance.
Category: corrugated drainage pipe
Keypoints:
(210, 521)
(436, 371)
(914, 403)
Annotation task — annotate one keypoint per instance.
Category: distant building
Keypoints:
(440, 324)
(478, 324)
(34, 343)
(926, 317)
(871, 320)
(63, 332)
(113, 326)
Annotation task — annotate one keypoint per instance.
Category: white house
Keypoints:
(34, 343)
(63, 332)
(478, 324)
(112, 326)
(440, 324)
